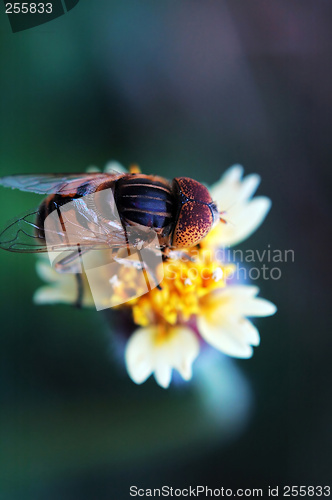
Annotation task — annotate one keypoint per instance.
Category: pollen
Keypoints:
(217, 274)
(185, 283)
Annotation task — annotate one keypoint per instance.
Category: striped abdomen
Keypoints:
(142, 200)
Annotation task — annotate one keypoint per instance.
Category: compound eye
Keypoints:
(194, 222)
(193, 190)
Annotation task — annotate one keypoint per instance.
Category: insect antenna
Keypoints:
(224, 221)
(222, 212)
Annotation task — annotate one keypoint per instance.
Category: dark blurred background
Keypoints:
(184, 88)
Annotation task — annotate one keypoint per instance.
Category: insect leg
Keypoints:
(80, 291)
(71, 263)
(147, 269)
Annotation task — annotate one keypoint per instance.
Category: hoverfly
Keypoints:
(107, 207)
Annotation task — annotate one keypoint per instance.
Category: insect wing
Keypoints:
(65, 184)
(74, 223)
(80, 223)
(23, 235)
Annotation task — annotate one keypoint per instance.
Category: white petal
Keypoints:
(248, 187)
(225, 191)
(243, 220)
(226, 338)
(92, 169)
(46, 272)
(240, 301)
(250, 332)
(236, 194)
(144, 355)
(240, 291)
(225, 325)
(233, 197)
(137, 355)
(54, 295)
(231, 176)
(163, 375)
(228, 302)
(185, 348)
(185, 370)
(114, 166)
(257, 307)
(139, 372)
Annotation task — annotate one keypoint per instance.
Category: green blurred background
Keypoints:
(183, 88)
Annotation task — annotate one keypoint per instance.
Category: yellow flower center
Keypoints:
(186, 281)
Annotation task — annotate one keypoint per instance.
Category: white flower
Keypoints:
(222, 320)
(148, 352)
(243, 214)
(60, 288)
(169, 321)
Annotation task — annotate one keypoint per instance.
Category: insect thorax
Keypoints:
(144, 201)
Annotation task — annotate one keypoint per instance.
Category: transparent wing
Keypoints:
(71, 225)
(23, 235)
(65, 184)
